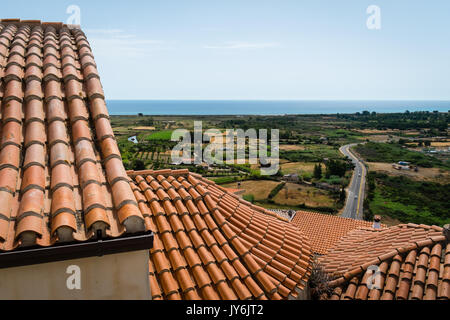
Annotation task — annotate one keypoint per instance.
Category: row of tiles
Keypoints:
(325, 230)
(57, 146)
(402, 262)
(364, 247)
(420, 274)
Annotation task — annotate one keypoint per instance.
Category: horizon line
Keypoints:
(286, 100)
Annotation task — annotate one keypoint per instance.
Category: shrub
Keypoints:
(137, 165)
(319, 282)
(276, 190)
(249, 198)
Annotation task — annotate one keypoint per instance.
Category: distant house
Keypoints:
(399, 167)
(402, 165)
(293, 177)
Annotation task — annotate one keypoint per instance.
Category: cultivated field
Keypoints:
(145, 128)
(297, 167)
(291, 147)
(294, 195)
(377, 138)
(375, 131)
(260, 189)
(440, 144)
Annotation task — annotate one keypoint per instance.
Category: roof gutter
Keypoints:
(95, 248)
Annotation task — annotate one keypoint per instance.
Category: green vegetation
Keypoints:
(394, 152)
(407, 200)
(161, 135)
(342, 135)
(318, 171)
(403, 121)
(336, 168)
(335, 173)
(276, 190)
(309, 147)
(312, 153)
(225, 180)
(249, 198)
(268, 204)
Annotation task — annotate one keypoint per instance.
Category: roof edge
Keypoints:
(56, 25)
(93, 248)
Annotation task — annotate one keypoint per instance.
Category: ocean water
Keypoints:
(235, 107)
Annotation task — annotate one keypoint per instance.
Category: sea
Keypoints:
(265, 107)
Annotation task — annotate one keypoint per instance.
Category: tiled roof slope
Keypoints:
(210, 244)
(413, 262)
(325, 230)
(61, 173)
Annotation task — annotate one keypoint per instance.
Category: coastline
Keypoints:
(268, 107)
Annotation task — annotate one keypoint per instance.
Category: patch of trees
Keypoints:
(317, 171)
(336, 168)
(402, 121)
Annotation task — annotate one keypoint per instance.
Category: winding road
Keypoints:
(355, 192)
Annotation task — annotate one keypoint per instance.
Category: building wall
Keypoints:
(121, 276)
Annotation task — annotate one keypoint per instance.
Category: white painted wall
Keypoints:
(121, 276)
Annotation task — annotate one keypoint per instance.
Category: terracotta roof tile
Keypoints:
(47, 71)
(325, 230)
(232, 250)
(419, 271)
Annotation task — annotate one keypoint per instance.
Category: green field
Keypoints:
(312, 153)
(408, 200)
(162, 135)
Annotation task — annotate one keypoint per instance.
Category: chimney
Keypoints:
(377, 222)
(446, 232)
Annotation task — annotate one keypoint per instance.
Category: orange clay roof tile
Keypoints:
(48, 68)
(417, 272)
(221, 259)
(325, 230)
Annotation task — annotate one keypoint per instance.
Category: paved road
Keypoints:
(355, 192)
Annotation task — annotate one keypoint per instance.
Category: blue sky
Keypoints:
(257, 49)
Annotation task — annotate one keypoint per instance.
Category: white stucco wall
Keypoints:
(121, 276)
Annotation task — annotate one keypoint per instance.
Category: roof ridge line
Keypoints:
(242, 257)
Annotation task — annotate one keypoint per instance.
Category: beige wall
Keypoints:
(120, 276)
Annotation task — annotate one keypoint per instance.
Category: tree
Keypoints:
(137, 165)
(318, 171)
(342, 195)
(336, 168)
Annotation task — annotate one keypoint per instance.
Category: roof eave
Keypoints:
(94, 248)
